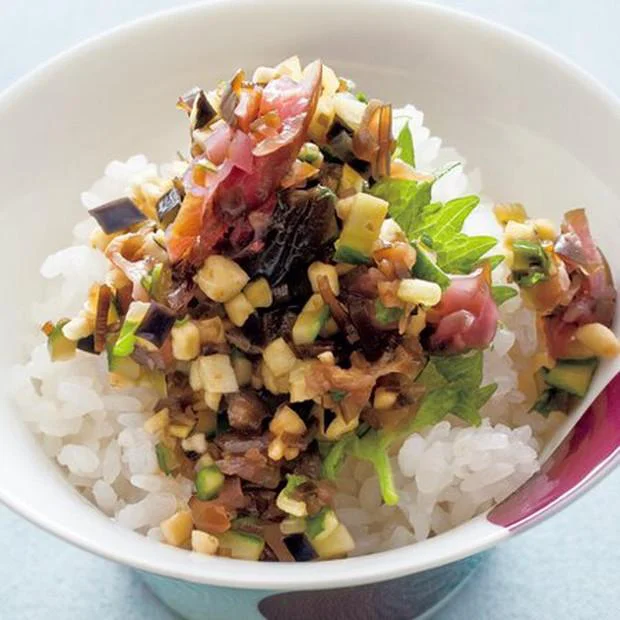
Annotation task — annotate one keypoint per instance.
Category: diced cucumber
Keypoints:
(299, 547)
(59, 347)
(158, 282)
(337, 544)
(246, 523)
(361, 228)
(126, 341)
(293, 525)
(345, 254)
(310, 321)
(166, 458)
(241, 545)
(322, 524)
(124, 366)
(573, 376)
(530, 263)
(288, 504)
(209, 481)
(426, 269)
(385, 315)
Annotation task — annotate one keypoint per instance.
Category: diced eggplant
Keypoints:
(202, 111)
(340, 148)
(117, 215)
(156, 324)
(168, 206)
(300, 548)
(87, 344)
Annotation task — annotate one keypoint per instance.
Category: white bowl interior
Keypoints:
(536, 127)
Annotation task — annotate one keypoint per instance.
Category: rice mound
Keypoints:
(444, 476)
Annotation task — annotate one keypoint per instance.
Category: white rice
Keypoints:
(444, 476)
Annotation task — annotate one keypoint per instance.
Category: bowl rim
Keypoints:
(467, 539)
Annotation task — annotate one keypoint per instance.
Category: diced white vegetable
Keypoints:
(157, 422)
(262, 75)
(79, 327)
(349, 110)
(297, 381)
(329, 81)
(203, 542)
(279, 357)
(293, 525)
(318, 269)
(217, 374)
(291, 67)
(239, 309)
(243, 369)
(195, 380)
(276, 385)
(415, 291)
(516, 231)
(220, 278)
(178, 528)
(339, 427)
(291, 506)
(211, 331)
(599, 339)
(212, 400)
(276, 449)
(258, 293)
(322, 119)
(287, 421)
(545, 229)
(384, 398)
(185, 341)
(195, 443)
(417, 323)
(507, 211)
(179, 430)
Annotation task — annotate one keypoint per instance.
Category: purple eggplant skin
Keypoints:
(117, 215)
(87, 344)
(156, 324)
(300, 548)
(168, 206)
(202, 111)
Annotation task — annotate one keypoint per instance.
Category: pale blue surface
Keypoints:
(564, 569)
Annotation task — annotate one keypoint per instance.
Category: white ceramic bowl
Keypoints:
(539, 128)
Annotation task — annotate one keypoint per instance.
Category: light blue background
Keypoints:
(566, 568)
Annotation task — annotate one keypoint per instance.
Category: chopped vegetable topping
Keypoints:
(295, 297)
(117, 215)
